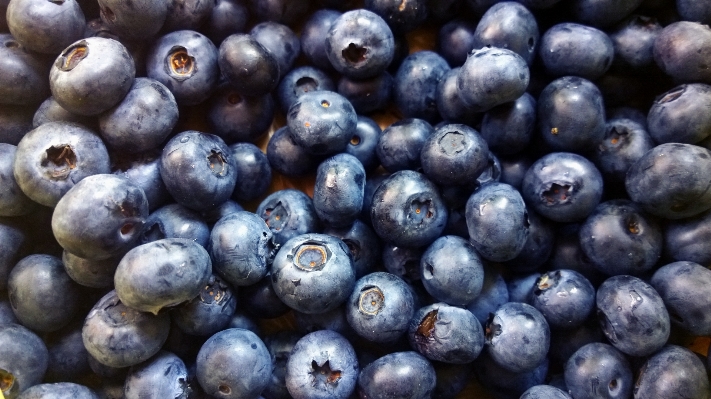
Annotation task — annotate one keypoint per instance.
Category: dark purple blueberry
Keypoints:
(455, 154)
(685, 288)
(313, 273)
(175, 221)
(508, 128)
(24, 74)
(367, 95)
(687, 194)
(45, 26)
(397, 375)
(450, 105)
(68, 358)
(15, 122)
(58, 390)
(672, 373)
(633, 41)
(508, 25)
(134, 20)
(338, 190)
(624, 143)
(517, 337)
(279, 344)
(690, 10)
(538, 246)
(249, 67)
(143, 170)
(227, 17)
(322, 365)
(255, 174)
(92, 75)
(565, 298)
(13, 202)
(300, 80)
(682, 49)
(322, 122)
(403, 262)
(452, 271)
(288, 213)
(364, 142)
(602, 13)
(416, 80)
(260, 300)
(116, 335)
(14, 244)
(90, 272)
(686, 239)
(287, 157)
(360, 44)
(313, 32)
(162, 376)
(209, 312)
(401, 144)
(544, 392)
(598, 370)
(455, 40)
(363, 244)
(223, 360)
(632, 315)
(494, 293)
(679, 115)
(187, 14)
(236, 118)
(280, 41)
(23, 359)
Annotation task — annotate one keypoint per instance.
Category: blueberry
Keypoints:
(401, 143)
(255, 174)
(338, 190)
(359, 44)
(619, 238)
(322, 364)
(321, 122)
(363, 245)
(117, 336)
(164, 375)
(288, 213)
(563, 187)
(407, 210)
(686, 195)
(632, 315)
(68, 358)
(450, 105)
(494, 293)
(23, 361)
(624, 143)
(397, 375)
(633, 41)
(403, 262)
(58, 390)
(574, 49)
(136, 20)
(54, 157)
(673, 372)
(45, 26)
(261, 301)
(287, 157)
(92, 75)
(227, 17)
(508, 128)
(313, 32)
(236, 118)
(16, 121)
(282, 11)
(175, 221)
(313, 273)
(13, 202)
(598, 370)
(571, 114)
(209, 312)
(364, 142)
(142, 120)
(602, 13)
(544, 392)
(517, 337)
(491, 77)
(241, 248)
(367, 95)
(537, 248)
(452, 271)
(24, 77)
(300, 80)
(678, 116)
(455, 154)
(380, 307)
(51, 111)
(684, 288)
(185, 62)
(187, 14)
(446, 333)
(280, 41)
(143, 170)
(681, 51)
(416, 80)
(14, 242)
(455, 39)
(198, 170)
(234, 363)
(685, 239)
(279, 345)
(249, 67)
(564, 297)
(508, 25)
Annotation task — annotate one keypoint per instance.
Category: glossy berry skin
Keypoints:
(185, 61)
(491, 77)
(52, 158)
(24, 78)
(313, 31)
(162, 376)
(44, 26)
(400, 145)
(363, 144)
(175, 221)
(562, 186)
(227, 17)
(134, 20)
(209, 312)
(575, 49)
(633, 41)
(13, 202)
(359, 44)
(564, 297)
(255, 174)
(452, 271)
(322, 364)
(598, 370)
(508, 25)
(416, 81)
(119, 336)
(497, 221)
(685, 239)
(162, 273)
(90, 272)
(681, 51)
(300, 80)
(449, 103)
(407, 210)
(624, 143)
(677, 116)
(455, 39)
(367, 95)
(632, 315)
(234, 363)
(363, 244)
(100, 217)
(24, 359)
(241, 248)
(198, 170)
(338, 190)
(313, 273)
(674, 372)
(380, 307)
(619, 238)
(287, 157)
(142, 120)
(288, 213)
(280, 41)
(397, 375)
(92, 75)
(517, 337)
(42, 295)
(508, 128)
(684, 196)
(446, 333)
(571, 114)
(236, 118)
(321, 122)
(455, 154)
(685, 290)
(249, 67)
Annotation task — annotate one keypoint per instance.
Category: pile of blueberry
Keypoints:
(520, 210)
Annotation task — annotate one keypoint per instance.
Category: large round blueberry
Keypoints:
(237, 118)
(679, 115)
(313, 273)
(162, 376)
(175, 221)
(508, 25)
(198, 170)
(45, 26)
(682, 49)
(162, 273)
(624, 143)
(119, 336)
(100, 217)
(322, 365)
(24, 78)
(685, 239)
(23, 359)
(407, 210)
(288, 213)
(360, 44)
(279, 40)
(416, 80)
(562, 186)
(575, 49)
(454, 155)
(249, 67)
(632, 315)
(564, 297)
(92, 75)
(312, 36)
(91, 272)
(686, 195)
(339, 189)
(517, 337)
(452, 271)
(674, 372)
(234, 364)
(209, 312)
(134, 20)
(685, 288)
(54, 157)
(400, 144)
(13, 202)
(397, 375)
(598, 370)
